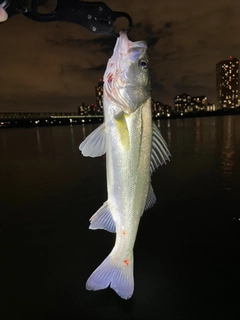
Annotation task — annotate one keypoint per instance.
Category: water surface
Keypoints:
(187, 261)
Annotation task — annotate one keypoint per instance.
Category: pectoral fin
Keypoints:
(122, 129)
(95, 144)
(160, 153)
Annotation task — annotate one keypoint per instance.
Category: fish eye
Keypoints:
(143, 64)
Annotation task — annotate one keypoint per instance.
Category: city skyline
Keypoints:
(227, 84)
(54, 66)
(183, 102)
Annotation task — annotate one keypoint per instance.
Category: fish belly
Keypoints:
(128, 178)
(128, 169)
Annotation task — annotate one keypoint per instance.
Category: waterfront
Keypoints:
(43, 119)
(187, 250)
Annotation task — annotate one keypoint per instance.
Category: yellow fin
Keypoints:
(122, 130)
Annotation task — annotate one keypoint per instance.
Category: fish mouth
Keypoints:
(124, 45)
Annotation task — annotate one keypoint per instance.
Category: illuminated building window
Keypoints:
(227, 82)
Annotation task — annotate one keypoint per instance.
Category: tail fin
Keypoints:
(117, 274)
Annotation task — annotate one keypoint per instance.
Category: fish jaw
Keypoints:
(126, 79)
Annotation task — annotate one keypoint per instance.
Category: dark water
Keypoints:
(187, 261)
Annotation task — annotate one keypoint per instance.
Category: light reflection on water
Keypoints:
(201, 148)
(228, 150)
(202, 143)
(168, 131)
(39, 144)
(73, 142)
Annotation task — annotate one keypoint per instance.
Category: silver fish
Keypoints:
(134, 148)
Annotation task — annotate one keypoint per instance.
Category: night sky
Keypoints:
(56, 66)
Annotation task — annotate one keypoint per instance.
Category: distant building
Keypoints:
(166, 110)
(201, 103)
(159, 109)
(182, 103)
(156, 108)
(83, 110)
(99, 96)
(227, 79)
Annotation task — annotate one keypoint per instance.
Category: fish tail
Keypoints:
(118, 274)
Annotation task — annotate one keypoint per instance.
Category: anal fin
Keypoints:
(103, 219)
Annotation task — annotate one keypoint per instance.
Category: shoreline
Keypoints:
(38, 119)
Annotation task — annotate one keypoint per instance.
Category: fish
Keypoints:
(134, 149)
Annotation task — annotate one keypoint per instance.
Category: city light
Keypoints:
(185, 105)
(227, 74)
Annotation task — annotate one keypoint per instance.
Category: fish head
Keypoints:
(126, 79)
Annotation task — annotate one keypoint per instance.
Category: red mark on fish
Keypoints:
(110, 77)
(126, 261)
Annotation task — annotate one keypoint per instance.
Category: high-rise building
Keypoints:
(99, 96)
(227, 78)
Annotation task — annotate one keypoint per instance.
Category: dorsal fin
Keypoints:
(160, 153)
(151, 198)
